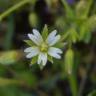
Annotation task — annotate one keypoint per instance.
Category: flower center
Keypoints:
(44, 47)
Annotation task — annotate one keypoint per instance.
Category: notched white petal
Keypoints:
(29, 49)
(55, 52)
(34, 39)
(38, 35)
(51, 36)
(35, 51)
(55, 40)
(42, 58)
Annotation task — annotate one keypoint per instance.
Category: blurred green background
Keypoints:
(17, 19)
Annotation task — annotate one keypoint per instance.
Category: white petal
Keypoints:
(38, 35)
(51, 36)
(34, 39)
(42, 58)
(29, 49)
(35, 51)
(55, 52)
(54, 40)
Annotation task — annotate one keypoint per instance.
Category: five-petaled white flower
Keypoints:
(43, 48)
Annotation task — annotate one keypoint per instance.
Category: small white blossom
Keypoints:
(42, 48)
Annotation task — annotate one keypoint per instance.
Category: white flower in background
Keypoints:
(43, 48)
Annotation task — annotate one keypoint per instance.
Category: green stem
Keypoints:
(13, 8)
(73, 84)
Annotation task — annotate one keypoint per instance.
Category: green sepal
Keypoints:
(29, 42)
(45, 32)
(50, 59)
(34, 60)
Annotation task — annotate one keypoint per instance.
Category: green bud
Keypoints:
(69, 61)
(33, 19)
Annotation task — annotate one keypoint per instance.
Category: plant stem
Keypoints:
(13, 8)
(73, 84)
(83, 81)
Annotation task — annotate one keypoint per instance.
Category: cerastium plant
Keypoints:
(76, 25)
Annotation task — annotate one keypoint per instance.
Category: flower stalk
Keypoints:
(13, 8)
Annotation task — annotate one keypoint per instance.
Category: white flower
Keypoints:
(43, 48)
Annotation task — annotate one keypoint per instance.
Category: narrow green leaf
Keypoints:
(69, 11)
(83, 8)
(86, 28)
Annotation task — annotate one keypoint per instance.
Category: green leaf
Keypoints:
(86, 28)
(69, 11)
(83, 8)
(91, 23)
(45, 32)
(29, 42)
(69, 61)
